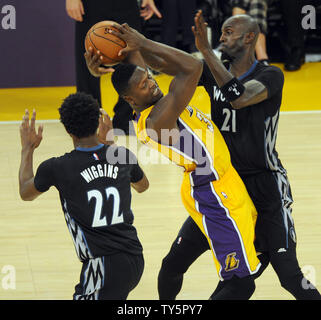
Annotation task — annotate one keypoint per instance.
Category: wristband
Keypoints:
(233, 89)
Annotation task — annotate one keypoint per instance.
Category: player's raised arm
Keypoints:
(238, 94)
(185, 69)
(30, 140)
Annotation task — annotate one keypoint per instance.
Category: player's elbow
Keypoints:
(142, 185)
(193, 66)
(239, 104)
(26, 197)
(198, 66)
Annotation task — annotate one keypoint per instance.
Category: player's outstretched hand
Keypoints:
(131, 36)
(30, 138)
(105, 129)
(200, 32)
(94, 63)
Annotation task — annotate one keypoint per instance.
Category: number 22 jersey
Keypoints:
(95, 195)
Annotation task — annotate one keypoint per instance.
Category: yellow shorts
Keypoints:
(225, 213)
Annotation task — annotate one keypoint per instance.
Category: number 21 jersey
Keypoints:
(250, 132)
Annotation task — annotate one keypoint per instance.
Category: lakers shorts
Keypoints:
(226, 215)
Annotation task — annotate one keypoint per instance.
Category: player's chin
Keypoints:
(158, 96)
(222, 49)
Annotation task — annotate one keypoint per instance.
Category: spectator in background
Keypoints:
(294, 39)
(257, 9)
(88, 12)
(178, 14)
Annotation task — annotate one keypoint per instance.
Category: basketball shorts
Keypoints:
(109, 277)
(226, 215)
(271, 195)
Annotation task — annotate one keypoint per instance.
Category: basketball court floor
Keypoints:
(37, 257)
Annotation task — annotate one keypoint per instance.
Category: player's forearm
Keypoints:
(219, 72)
(254, 92)
(26, 174)
(166, 59)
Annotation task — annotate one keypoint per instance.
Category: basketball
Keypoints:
(109, 45)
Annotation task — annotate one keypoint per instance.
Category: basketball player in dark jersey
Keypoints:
(247, 115)
(94, 182)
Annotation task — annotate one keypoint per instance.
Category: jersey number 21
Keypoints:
(229, 123)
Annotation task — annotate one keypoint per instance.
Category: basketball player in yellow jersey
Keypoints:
(212, 191)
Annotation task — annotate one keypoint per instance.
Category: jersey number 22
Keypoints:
(99, 220)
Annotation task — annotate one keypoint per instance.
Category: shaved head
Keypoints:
(244, 23)
(239, 36)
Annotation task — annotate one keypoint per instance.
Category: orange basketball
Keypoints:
(99, 38)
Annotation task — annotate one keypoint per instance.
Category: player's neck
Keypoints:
(240, 66)
(87, 142)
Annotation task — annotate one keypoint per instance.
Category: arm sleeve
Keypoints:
(44, 177)
(273, 79)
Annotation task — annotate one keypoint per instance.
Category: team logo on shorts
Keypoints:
(231, 263)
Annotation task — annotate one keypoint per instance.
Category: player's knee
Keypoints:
(291, 282)
(245, 286)
(235, 289)
(171, 264)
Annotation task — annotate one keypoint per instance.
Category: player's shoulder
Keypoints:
(64, 157)
(62, 160)
(272, 69)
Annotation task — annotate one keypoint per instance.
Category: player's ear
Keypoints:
(249, 37)
(129, 99)
(74, 138)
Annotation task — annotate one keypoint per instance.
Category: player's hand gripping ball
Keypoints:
(100, 39)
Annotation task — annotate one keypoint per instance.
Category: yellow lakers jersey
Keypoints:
(201, 147)
(212, 191)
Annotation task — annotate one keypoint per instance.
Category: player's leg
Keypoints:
(286, 266)
(109, 277)
(123, 273)
(225, 213)
(186, 248)
(91, 279)
(282, 247)
(234, 289)
(275, 233)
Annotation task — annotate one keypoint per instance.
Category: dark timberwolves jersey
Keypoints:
(251, 132)
(95, 196)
